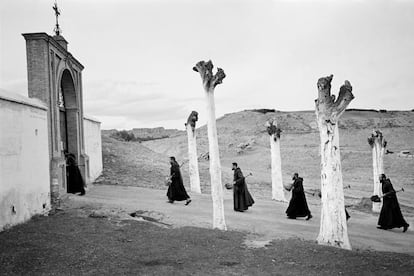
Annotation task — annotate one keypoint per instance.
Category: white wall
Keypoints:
(24, 159)
(93, 146)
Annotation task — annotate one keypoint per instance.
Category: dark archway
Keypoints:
(69, 122)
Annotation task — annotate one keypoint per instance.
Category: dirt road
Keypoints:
(264, 222)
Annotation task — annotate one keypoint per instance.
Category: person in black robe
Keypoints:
(74, 178)
(298, 207)
(390, 215)
(176, 190)
(242, 199)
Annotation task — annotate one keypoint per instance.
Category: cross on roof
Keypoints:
(57, 29)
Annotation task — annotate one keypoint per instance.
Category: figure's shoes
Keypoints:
(380, 227)
(405, 228)
(309, 217)
(170, 201)
(188, 201)
(291, 217)
(81, 194)
(238, 210)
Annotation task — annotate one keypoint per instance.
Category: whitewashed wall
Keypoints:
(24, 159)
(93, 146)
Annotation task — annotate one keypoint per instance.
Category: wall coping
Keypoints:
(48, 38)
(21, 99)
(90, 118)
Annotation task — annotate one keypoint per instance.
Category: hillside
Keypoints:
(243, 139)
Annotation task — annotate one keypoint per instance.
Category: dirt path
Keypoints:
(264, 222)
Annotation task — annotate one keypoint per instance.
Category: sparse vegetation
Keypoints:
(361, 110)
(264, 110)
(124, 135)
(128, 136)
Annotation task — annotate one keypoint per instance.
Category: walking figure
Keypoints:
(390, 216)
(242, 199)
(176, 190)
(298, 207)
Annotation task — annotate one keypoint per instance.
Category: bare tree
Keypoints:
(378, 145)
(277, 181)
(192, 152)
(333, 228)
(210, 81)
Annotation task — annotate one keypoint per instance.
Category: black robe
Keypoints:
(176, 190)
(390, 216)
(298, 207)
(242, 199)
(75, 182)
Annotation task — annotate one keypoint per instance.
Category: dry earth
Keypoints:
(96, 235)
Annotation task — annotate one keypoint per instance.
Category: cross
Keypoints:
(57, 29)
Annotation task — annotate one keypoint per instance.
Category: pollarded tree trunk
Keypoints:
(333, 228)
(277, 181)
(192, 152)
(378, 145)
(210, 81)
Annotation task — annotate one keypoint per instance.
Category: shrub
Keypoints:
(124, 135)
(264, 110)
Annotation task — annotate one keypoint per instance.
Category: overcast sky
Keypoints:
(138, 55)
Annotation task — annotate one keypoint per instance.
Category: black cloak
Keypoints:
(298, 207)
(242, 199)
(74, 178)
(176, 190)
(390, 216)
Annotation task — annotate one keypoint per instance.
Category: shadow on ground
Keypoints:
(85, 241)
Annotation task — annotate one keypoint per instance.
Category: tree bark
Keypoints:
(378, 145)
(333, 228)
(192, 153)
(277, 180)
(210, 81)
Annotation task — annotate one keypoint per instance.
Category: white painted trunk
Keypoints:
(378, 168)
(215, 167)
(193, 161)
(277, 181)
(333, 228)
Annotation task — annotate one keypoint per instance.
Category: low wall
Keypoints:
(93, 146)
(24, 159)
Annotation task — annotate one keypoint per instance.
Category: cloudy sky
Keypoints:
(138, 55)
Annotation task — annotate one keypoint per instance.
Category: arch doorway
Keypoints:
(69, 131)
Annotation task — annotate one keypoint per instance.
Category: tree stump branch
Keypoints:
(192, 119)
(328, 108)
(210, 80)
(271, 126)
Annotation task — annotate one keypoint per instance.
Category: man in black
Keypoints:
(390, 216)
(75, 180)
(298, 207)
(176, 190)
(242, 199)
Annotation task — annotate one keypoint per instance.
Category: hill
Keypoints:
(243, 139)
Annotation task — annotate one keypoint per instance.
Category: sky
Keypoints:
(138, 55)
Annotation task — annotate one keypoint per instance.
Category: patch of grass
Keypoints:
(67, 244)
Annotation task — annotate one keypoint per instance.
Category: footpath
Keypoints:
(264, 222)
